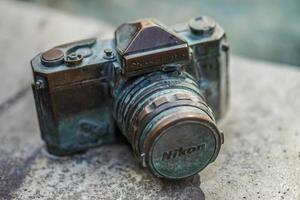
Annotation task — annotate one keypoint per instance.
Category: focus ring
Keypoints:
(163, 113)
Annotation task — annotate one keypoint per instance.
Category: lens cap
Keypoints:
(182, 147)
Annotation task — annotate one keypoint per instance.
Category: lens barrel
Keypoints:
(168, 123)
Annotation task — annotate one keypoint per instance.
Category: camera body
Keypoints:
(88, 91)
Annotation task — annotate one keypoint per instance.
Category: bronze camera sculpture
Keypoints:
(161, 87)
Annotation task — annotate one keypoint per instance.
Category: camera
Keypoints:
(161, 87)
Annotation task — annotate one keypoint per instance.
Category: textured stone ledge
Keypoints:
(259, 160)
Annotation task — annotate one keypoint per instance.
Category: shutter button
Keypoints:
(52, 57)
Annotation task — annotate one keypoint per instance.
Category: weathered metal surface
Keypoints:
(147, 45)
(147, 66)
(259, 159)
(148, 109)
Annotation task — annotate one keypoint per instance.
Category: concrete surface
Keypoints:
(259, 160)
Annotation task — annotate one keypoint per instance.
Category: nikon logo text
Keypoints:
(181, 151)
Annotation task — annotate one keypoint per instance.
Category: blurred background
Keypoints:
(260, 29)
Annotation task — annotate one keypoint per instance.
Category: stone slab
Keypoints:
(261, 155)
(259, 160)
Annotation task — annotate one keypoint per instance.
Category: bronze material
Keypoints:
(180, 120)
(161, 87)
(145, 62)
(52, 57)
(73, 59)
(147, 45)
(202, 25)
(53, 54)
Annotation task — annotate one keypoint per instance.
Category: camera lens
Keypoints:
(168, 123)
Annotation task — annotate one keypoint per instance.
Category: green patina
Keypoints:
(159, 91)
